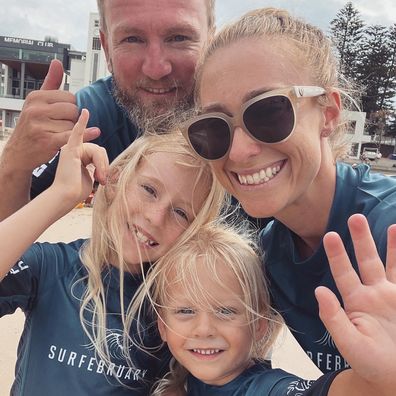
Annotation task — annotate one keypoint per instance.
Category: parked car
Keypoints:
(370, 154)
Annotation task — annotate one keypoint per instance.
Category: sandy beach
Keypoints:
(287, 354)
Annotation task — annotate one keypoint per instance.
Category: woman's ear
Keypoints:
(332, 112)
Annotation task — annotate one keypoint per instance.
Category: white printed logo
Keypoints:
(326, 340)
(115, 343)
(18, 267)
(298, 387)
(40, 169)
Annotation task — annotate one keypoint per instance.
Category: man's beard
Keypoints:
(153, 118)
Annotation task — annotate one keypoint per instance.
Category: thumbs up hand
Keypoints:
(53, 79)
(45, 124)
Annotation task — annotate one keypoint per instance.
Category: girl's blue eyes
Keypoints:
(221, 311)
(225, 311)
(179, 212)
(182, 214)
(185, 311)
(149, 189)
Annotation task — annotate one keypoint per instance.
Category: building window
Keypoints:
(354, 150)
(95, 67)
(96, 23)
(96, 44)
(352, 127)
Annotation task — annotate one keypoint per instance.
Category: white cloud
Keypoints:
(319, 13)
(66, 20)
(382, 12)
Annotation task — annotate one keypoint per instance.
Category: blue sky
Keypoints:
(68, 19)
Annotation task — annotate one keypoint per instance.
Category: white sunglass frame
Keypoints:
(292, 93)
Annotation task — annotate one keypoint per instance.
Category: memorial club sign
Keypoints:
(30, 44)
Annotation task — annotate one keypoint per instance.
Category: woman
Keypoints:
(270, 97)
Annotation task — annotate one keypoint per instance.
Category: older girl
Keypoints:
(79, 337)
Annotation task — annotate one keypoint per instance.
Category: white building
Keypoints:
(24, 64)
(86, 68)
(357, 135)
(95, 66)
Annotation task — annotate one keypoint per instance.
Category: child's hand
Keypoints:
(365, 330)
(79, 164)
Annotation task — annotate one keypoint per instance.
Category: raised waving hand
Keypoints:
(365, 329)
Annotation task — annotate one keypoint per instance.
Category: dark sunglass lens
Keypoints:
(210, 137)
(271, 119)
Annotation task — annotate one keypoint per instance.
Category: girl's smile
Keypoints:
(142, 237)
(162, 199)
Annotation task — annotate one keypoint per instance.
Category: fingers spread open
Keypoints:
(342, 330)
(344, 275)
(371, 267)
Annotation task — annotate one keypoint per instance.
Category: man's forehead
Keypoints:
(144, 27)
(178, 8)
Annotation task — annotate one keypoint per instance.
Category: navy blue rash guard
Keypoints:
(55, 356)
(293, 280)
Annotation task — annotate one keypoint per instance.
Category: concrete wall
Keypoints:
(76, 79)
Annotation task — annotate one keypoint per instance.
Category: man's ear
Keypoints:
(161, 327)
(105, 46)
(332, 112)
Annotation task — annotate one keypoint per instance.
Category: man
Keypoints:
(151, 48)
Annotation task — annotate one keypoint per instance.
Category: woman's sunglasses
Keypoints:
(267, 118)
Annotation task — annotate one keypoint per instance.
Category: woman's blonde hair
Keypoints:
(215, 246)
(312, 48)
(109, 215)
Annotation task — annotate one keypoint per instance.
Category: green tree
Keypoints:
(376, 73)
(367, 57)
(346, 31)
(389, 92)
(390, 83)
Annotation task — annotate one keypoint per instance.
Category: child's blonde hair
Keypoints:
(109, 215)
(309, 46)
(213, 245)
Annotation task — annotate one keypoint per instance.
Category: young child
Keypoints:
(78, 337)
(213, 307)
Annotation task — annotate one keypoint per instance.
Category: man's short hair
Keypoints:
(210, 5)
